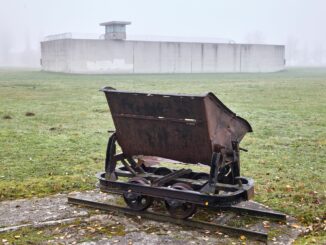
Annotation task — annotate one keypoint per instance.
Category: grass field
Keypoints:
(62, 146)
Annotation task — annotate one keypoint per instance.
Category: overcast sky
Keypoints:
(274, 21)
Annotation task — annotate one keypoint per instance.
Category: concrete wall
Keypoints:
(118, 56)
(54, 55)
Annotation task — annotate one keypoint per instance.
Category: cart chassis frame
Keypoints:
(207, 192)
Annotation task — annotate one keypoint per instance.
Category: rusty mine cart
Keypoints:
(180, 129)
(187, 129)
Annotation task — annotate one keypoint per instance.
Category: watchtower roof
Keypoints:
(115, 23)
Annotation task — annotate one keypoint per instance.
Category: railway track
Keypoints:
(254, 235)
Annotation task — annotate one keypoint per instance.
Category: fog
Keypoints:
(297, 24)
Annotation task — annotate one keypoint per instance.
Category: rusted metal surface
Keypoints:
(218, 200)
(185, 128)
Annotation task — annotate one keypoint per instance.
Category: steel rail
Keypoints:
(254, 212)
(255, 235)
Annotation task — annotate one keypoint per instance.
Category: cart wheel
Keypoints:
(162, 171)
(137, 201)
(179, 209)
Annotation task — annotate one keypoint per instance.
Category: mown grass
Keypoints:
(63, 145)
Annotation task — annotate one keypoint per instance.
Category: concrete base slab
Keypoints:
(69, 224)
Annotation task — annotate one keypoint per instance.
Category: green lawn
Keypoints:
(63, 145)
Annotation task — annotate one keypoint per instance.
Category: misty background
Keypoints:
(297, 24)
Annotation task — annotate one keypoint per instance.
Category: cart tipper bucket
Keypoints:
(186, 128)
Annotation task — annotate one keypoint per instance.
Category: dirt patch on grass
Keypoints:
(29, 114)
(6, 117)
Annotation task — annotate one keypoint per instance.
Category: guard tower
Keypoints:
(115, 30)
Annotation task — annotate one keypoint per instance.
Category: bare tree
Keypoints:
(318, 55)
(291, 51)
(5, 47)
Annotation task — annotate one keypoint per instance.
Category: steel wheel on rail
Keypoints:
(137, 201)
(180, 209)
